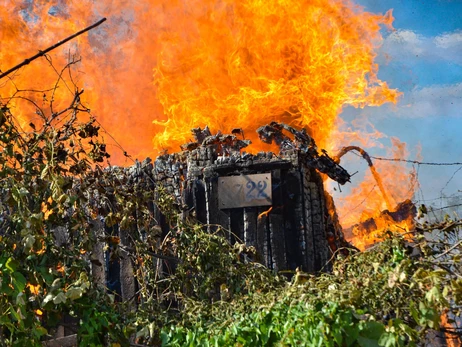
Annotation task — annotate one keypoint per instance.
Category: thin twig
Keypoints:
(75, 101)
(60, 77)
(130, 251)
(449, 250)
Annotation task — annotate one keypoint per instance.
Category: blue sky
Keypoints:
(423, 59)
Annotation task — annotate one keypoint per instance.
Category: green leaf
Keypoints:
(433, 295)
(6, 288)
(19, 281)
(60, 298)
(387, 340)
(47, 299)
(373, 330)
(367, 342)
(46, 275)
(74, 293)
(20, 299)
(164, 337)
(11, 264)
(55, 285)
(414, 312)
(3, 260)
(23, 192)
(143, 332)
(40, 331)
(16, 315)
(28, 241)
(152, 329)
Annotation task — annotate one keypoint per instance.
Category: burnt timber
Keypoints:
(296, 230)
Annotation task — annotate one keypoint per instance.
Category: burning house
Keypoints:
(273, 202)
(231, 64)
(225, 64)
(234, 66)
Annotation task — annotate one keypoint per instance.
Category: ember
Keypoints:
(367, 232)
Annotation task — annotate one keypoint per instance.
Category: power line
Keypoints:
(445, 207)
(438, 198)
(415, 161)
(447, 183)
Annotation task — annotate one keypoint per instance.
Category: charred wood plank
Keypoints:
(303, 142)
(224, 219)
(215, 216)
(263, 251)
(250, 226)
(237, 225)
(199, 200)
(127, 273)
(278, 249)
(321, 255)
(307, 237)
(277, 237)
(293, 217)
(256, 167)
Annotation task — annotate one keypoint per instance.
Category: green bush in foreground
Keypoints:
(382, 297)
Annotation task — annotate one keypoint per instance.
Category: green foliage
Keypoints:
(390, 295)
(381, 297)
(44, 186)
(211, 268)
(285, 325)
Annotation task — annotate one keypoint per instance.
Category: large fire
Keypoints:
(161, 67)
(248, 63)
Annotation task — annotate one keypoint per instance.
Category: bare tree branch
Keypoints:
(56, 45)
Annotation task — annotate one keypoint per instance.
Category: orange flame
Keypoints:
(221, 63)
(247, 63)
(115, 70)
(158, 68)
(265, 213)
(367, 202)
(452, 340)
